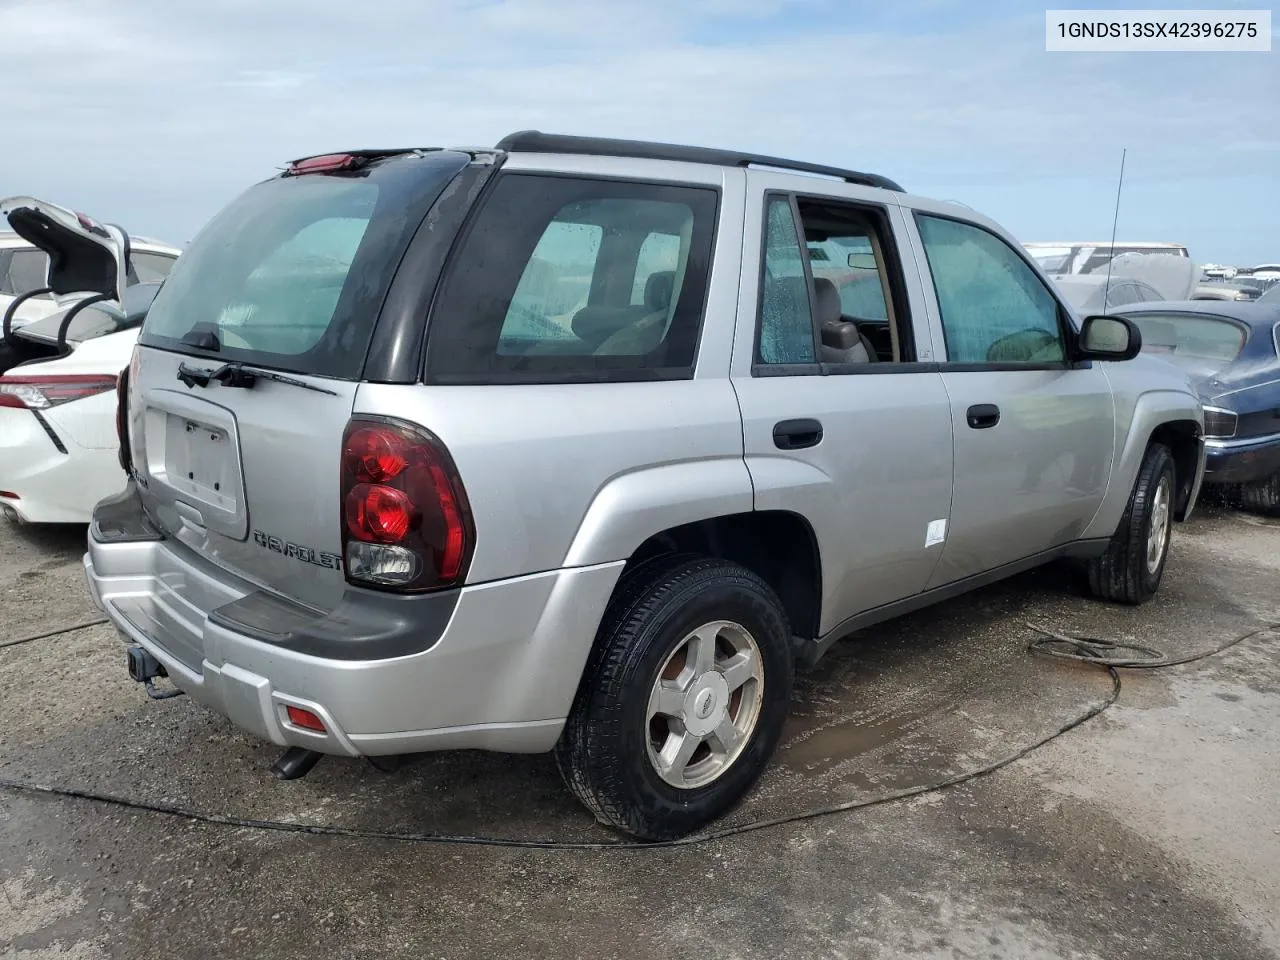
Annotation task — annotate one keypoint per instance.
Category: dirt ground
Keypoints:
(1150, 831)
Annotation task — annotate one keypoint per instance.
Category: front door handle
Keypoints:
(983, 415)
(797, 434)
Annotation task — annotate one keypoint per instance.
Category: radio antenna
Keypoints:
(1115, 221)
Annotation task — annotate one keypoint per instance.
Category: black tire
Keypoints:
(1262, 496)
(1122, 574)
(603, 754)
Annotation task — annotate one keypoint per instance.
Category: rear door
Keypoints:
(1034, 432)
(860, 446)
(287, 281)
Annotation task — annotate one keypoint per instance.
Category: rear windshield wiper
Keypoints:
(238, 375)
(203, 336)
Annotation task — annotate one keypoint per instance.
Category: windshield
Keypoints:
(1191, 336)
(292, 274)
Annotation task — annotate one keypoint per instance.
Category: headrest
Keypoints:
(826, 300)
(596, 324)
(658, 290)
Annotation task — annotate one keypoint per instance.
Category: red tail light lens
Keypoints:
(41, 393)
(406, 520)
(378, 514)
(304, 719)
(327, 163)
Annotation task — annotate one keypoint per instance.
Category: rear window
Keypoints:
(293, 273)
(97, 320)
(565, 278)
(1190, 335)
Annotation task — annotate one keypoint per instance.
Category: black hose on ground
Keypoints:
(1105, 654)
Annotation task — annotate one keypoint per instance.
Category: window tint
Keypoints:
(994, 307)
(148, 267)
(560, 278)
(786, 324)
(293, 273)
(28, 270)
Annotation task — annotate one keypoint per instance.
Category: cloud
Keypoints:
(162, 110)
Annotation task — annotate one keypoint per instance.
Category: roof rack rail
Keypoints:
(535, 141)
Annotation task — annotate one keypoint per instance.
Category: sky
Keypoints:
(155, 113)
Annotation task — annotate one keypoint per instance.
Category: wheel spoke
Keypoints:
(667, 700)
(725, 736)
(702, 651)
(740, 669)
(676, 753)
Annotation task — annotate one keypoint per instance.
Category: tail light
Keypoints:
(406, 523)
(41, 393)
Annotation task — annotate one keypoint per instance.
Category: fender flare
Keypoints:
(1151, 410)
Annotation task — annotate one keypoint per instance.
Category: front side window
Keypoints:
(560, 278)
(994, 307)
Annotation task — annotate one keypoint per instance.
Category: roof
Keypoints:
(1250, 312)
(535, 141)
(1155, 245)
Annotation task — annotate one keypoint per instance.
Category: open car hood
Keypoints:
(85, 256)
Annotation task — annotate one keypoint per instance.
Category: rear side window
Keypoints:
(563, 278)
(292, 274)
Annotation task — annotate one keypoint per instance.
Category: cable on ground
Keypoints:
(1111, 656)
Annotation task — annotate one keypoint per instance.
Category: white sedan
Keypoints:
(59, 449)
(58, 374)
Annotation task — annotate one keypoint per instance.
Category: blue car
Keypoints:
(1231, 350)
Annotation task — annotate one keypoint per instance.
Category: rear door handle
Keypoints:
(797, 434)
(983, 415)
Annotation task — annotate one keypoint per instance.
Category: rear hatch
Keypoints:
(249, 361)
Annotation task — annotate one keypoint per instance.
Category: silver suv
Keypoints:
(583, 446)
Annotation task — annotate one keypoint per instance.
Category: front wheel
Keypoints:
(1131, 569)
(683, 700)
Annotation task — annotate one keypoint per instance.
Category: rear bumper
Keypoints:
(501, 675)
(1242, 460)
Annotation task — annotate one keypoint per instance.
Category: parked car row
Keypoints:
(581, 446)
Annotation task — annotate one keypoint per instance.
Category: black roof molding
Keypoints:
(535, 141)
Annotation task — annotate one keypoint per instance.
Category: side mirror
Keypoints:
(1105, 337)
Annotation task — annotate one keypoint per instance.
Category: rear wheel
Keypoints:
(1131, 569)
(684, 698)
(1262, 496)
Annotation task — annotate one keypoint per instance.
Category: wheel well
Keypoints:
(1182, 437)
(777, 546)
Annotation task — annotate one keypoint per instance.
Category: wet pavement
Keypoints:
(1151, 831)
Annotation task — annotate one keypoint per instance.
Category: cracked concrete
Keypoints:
(1150, 832)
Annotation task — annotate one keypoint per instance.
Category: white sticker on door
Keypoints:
(935, 533)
